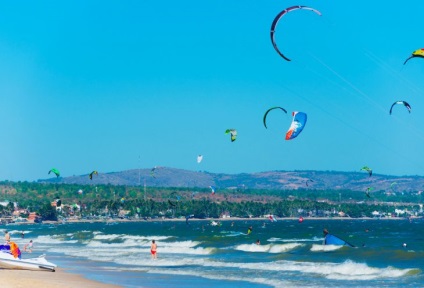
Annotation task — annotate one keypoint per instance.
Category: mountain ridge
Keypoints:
(268, 180)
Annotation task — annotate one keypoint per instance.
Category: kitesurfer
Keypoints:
(153, 249)
(249, 230)
(6, 236)
(325, 232)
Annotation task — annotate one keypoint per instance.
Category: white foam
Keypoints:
(174, 248)
(180, 243)
(232, 233)
(112, 237)
(319, 247)
(115, 252)
(162, 261)
(217, 276)
(171, 254)
(314, 239)
(350, 270)
(184, 250)
(214, 275)
(284, 247)
(54, 239)
(270, 248)
(18, 232)
(252, 248)
(126, 243)
(347, 270)
(106, 237)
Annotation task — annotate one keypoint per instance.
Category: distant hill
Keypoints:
(272, 180)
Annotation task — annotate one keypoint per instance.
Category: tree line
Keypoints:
(109, 201)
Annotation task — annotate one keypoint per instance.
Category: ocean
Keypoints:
(199, 254)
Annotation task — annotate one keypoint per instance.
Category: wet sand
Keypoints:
(11, 278)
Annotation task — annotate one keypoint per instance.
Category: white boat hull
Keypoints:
(40, 263)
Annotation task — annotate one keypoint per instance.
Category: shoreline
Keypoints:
(118, 220)
(220, 219)
(12, 278)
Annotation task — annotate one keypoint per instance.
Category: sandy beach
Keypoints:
(25, 278)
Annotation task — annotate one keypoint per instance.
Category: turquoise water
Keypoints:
(291, 254)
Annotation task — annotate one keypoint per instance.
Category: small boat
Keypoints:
(12, 260)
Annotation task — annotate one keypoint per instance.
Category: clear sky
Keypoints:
(116, 85)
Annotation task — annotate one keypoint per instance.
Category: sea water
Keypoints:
(198, 254)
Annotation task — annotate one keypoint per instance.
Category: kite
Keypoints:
(212, 189)
(297, 125)
(58, 202)
(403, 103)
(199, 158)
(55, 171)
(369, 170)
(266, 113)
(152, 172)
(416, 53)
(93, 173)
(277, 19)
(367, 192)
(233, 133)
(393, 184)
(272, 218)
(173, 199)
(309, 180)
(188, 217)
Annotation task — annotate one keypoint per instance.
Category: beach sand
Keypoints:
(42, 279)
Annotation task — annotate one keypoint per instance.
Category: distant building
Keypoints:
(19, 212)
(123, 213)
(33, 217)
(5, 203)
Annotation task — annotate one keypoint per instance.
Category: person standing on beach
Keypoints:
(6, 237)
(153, 249)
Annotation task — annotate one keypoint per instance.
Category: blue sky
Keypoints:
(117, 85)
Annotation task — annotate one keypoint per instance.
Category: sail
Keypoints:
(334, 240)
(4, 248)
(11, 248)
